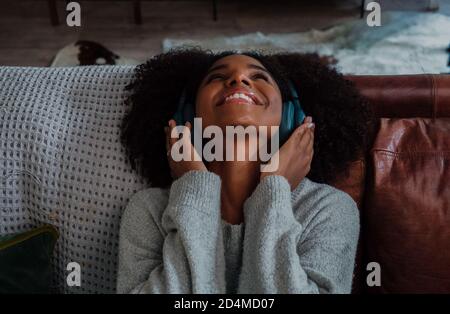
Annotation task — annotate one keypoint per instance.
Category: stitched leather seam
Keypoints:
(432, 153)
(433, 97)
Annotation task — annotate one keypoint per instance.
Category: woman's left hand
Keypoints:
(194, 162)
(296, 154)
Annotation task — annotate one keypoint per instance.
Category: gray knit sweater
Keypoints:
(175, 241)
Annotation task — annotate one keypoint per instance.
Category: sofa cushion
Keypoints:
(25, 261)
(407, 214)
(61, 163)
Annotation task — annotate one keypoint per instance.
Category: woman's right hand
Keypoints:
(178, 168)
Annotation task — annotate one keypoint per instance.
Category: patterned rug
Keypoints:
(406, 43)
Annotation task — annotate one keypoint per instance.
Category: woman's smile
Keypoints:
(237, 96)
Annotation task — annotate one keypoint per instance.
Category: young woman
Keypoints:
(225, 226)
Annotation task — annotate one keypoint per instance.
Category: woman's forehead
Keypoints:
(236, 60)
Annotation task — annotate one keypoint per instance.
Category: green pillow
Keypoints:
(25, 261)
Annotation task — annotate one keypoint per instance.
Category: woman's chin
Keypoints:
(242, 121)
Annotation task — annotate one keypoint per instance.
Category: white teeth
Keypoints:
(239, 95)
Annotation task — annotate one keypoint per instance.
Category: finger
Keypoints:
(166, 131)
(173, 134)
(310, 146)
(310, 125)
(309, 129)
(189, 126)
(307, 120)
(300, 131)
(306, 150)
(305, 139)
(296, 135)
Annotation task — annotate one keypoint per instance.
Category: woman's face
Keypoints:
(238, 90)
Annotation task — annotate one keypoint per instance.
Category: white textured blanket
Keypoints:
(62, 163)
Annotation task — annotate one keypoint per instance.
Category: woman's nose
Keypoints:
(238, 79)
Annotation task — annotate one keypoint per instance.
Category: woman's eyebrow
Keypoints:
(217, 67)
(255, 66)
(224, 66)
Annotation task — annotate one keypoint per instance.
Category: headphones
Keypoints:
(291, 117)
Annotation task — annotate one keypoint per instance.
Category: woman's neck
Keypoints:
(239, 179)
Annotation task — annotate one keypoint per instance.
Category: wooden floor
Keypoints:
(28, 39)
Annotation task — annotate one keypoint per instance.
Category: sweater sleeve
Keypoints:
(181, 251)
(281, 255)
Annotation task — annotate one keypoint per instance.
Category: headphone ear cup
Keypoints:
(287, 121)
(188, 114)
(178, 117)
(185, 112)
(299, 115)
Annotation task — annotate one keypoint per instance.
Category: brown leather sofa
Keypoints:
(402, 185)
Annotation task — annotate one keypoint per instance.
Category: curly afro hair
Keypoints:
(344, 121)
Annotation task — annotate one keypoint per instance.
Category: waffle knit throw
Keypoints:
(62, 163)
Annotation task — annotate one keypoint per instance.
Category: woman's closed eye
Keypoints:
(260, 75)
(221, 76)
(217, 76)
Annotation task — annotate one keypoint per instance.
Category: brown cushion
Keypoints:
(407, 212)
